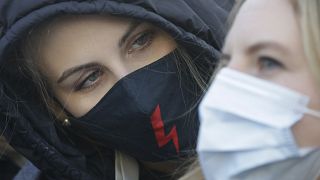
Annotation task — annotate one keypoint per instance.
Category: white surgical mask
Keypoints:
(245, 131)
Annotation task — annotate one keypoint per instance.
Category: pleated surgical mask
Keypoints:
(245, 130)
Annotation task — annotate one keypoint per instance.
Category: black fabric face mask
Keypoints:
(148, 114)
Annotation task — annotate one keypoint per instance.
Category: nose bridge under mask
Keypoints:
(139, 91)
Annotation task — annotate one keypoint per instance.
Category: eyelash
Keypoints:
(146, 34)
(80, 86)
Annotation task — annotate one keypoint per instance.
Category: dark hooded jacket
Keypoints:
(197, 25)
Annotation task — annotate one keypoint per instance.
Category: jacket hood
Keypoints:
(200, 23)
(197, 25)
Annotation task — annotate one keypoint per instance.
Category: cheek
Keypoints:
(77, 105)
(302, 82)
(313, 91)
(80, 103)
(307, 131)
(308, 86)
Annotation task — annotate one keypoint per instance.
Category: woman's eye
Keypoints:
(142, 41)
(90, 81)
(269, 63)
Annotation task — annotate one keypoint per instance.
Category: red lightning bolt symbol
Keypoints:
(158, 128)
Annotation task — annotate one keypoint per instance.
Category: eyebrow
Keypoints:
(76, 69)
(262, 45)
(133, 25)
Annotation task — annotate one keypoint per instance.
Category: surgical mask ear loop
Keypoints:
(312, 112)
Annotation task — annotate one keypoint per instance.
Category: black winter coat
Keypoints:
(198, 25)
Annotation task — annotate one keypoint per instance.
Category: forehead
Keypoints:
(76, 26)
(73, 40)
(264, 20)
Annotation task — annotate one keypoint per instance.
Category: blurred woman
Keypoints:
(260, 117)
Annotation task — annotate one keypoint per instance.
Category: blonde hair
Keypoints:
(309, 11)
(309, 14)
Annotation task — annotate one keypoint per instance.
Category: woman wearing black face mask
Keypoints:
(85, 82)
(269, 129)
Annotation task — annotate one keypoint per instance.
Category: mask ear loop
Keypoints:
(312, 112)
